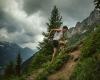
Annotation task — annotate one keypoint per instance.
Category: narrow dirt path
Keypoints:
(65, 72)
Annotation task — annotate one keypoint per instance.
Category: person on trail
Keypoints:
(59, 39)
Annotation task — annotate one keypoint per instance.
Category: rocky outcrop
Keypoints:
(81, 27)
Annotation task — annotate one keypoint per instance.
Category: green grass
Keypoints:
(51, 68)
(88, 67)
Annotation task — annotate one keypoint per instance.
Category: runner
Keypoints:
(59, 39)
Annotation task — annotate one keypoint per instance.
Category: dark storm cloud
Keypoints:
(9, 23)
(31, 6)
(77, 9)
(11, 28)
(71, 10)
(23, 21)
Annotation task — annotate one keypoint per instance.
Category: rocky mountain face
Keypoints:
(81, 27)
(9, 51)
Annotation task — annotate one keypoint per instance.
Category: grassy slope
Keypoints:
(88, 67)
(65, 71)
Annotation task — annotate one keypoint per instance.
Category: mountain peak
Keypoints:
(81, 27)
(9, 51)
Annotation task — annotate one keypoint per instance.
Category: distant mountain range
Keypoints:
(9, 51)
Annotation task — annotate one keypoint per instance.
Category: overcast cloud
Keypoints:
(23, 21)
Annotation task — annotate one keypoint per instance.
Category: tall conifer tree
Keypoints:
(18, 65)
(55, 21)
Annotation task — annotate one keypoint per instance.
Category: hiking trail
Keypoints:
(65, 72)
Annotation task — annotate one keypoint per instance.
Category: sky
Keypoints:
(23, 21)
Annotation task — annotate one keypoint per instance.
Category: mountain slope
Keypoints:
(88, 68)
(89, 23)
(81, 70)
(84, 28)
(72, 63)
(65, 72)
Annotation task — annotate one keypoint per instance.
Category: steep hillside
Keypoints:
(85, 62)
(78, 61)
(82, 29)
(66, 70)
(62, 65)
(88, 68)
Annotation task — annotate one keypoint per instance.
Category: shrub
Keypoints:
(51, 68)
(88, 67)
(42, 76)
(91, 44)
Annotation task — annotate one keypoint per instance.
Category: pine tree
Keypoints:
(45, 47)
(97, 4)
(18, 65)
(55, 21)
(9, 70)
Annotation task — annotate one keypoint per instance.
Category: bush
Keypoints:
(39, 60)
(59, 61)
(42, 76)
(71, 48)
(51, 68)
(91, 44)
(88, 67)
